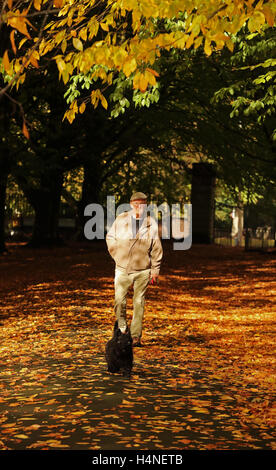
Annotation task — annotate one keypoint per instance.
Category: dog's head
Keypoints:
(124, 340)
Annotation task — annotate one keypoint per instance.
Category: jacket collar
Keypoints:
(143, 229)
(146, 220)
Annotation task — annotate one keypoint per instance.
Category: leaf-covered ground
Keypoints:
(205, 378)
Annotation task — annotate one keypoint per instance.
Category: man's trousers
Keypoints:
(122, 282)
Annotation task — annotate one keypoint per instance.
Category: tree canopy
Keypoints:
(103, 38)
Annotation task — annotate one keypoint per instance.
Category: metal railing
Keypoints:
(257, 238)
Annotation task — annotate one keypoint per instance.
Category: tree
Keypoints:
(104, 38)
(39, 161)
(102, 146)
(252, 90)
(6, 163)
(182, 121)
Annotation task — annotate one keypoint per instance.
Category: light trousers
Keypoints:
(122, 282)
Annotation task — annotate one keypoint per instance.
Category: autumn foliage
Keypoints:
(204, 379)
(104, 38)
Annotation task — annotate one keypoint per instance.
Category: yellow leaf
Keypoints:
(82, 107)
(61, 64)
(102, 74)
(269, 16)
(59, 37)
(156, 74)
(143, 84)
(95, 96)
(58, 3)
(6, 62)
(190, 41)
(203, 29)
(200, 410)
(20, 80)
(36, 55)
(180, 39)
(34, 61)
(103, 101)
(104, 26)
(226, 397)
(34, 427)
(83, 34)
(185, 441)
(230, 45)
(198, 42)
(37, 4)
(136, 23)
(12, 41)
(19, 22)
(93, 27)
(119, 57)
(99, 55)
(150, 77)
(77, 44)
(70, 115)
(25, 131)
(65, 76)
(22, 42)
(207, 47)
(136, 80)
(129, 67)
(64, 45)
(256, 21)
(21, 436)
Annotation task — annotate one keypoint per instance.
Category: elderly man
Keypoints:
(134, 244)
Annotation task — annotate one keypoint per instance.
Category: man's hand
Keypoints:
(154, 279)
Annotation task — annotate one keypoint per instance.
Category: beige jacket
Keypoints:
(135, 254)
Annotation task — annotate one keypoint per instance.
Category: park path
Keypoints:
(203, 380)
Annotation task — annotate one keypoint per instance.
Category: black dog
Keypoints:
(118, 351)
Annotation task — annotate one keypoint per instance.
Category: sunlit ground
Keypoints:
(205, 378)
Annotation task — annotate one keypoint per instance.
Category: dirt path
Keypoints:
(203, 380)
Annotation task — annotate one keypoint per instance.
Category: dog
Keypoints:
(118, 351)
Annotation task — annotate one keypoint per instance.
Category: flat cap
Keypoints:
(138, 195)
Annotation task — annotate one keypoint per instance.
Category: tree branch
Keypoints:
(4, 90)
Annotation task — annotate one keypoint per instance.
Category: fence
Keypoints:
(258, 238)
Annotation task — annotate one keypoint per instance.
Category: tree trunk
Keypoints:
(246, 229)
(90, 193)
(3, 189)
(202, 198)
(46, 203)
(237, 223)
(5, 157)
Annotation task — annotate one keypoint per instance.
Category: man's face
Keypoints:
(138, 206)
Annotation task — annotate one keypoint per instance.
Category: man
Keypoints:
(134, 244)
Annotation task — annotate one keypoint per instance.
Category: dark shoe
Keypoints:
(136, 343)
